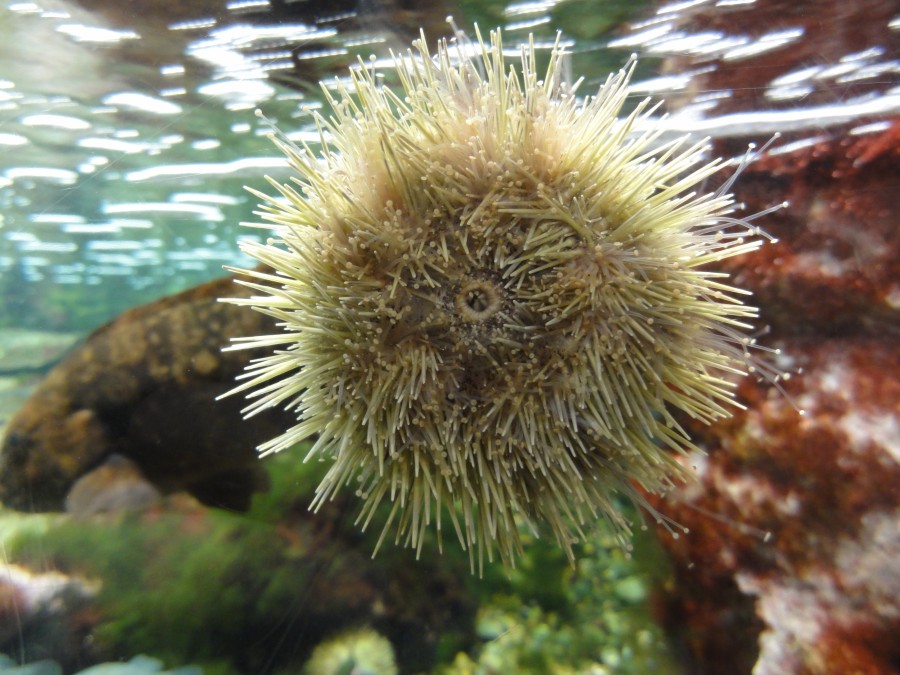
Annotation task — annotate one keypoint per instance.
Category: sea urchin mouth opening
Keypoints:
(496, 299)
(478, 300)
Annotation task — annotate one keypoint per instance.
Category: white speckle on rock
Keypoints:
(835, 379)
(869, 564)
(821, 263)
(859, 586)
(41, 590)
(893, 297)
(794, 613)
(881, 429)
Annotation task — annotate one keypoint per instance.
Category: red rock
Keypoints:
(836, 265)
(791, 565)
(797, 518)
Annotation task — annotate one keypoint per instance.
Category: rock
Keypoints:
(41, 605)
(144, 386)
(114, 486)
(46, 667)
(361, 652)
(835, 268)
(836, 265)
(234, 592)
(14, 391)
(790, 566)
(791, 560)
(139, 665)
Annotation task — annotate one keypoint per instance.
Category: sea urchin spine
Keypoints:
(495, 299)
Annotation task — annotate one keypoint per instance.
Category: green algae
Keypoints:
(242, 593)
(550, 618)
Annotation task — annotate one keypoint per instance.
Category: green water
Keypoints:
(126, 137)
(127, 134)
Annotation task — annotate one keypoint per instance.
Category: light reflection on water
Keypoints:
(126, 140)
(125, 149)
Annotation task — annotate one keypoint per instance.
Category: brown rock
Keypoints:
(835, 268)
(791, 560)
(790, 566)
(144, 386)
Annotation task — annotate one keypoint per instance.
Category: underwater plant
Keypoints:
(495, 298)
(359, 652)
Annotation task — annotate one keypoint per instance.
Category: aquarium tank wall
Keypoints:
(449, 337)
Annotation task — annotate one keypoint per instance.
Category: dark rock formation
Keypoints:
(144, 387)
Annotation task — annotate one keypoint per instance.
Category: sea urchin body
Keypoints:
(494, 299)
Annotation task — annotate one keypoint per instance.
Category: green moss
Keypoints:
(184, 585)
(225, 591)
(550, 618)
(164, 592)
(293, 483)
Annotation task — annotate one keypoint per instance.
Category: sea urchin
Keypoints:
(495, 299)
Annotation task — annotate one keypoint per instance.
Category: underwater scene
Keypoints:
(469, 338)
